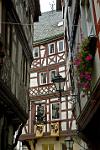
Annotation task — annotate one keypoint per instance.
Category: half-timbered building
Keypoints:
(51, 119)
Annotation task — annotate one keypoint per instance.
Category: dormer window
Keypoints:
(36, 52)
(51, 48)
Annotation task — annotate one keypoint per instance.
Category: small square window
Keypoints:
(51, 48)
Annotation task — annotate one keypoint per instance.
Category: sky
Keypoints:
(46, 5)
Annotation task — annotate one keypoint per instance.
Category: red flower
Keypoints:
(89, 57)
(84, 66)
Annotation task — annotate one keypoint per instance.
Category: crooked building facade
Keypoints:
(16, 19)
(82, 29)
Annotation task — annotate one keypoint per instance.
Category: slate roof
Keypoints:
(47, 27)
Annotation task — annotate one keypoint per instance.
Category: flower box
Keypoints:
(84, 62)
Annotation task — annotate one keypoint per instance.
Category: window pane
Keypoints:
(61, 46)
(55, 111)
(44, 146)
(53, 73)
(47, 146)
(43, 77)
(40, 113)
(51, 48)
(36, 52)
(51, 147)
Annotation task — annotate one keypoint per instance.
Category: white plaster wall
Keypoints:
(57, 144)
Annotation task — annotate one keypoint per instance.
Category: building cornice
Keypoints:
(49, 39)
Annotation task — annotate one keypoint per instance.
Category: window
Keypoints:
(43, 78)
(36, 52)
(55, 111)
(52, 74)
(89, 22)
(51, 48)
(47, 146)
(60, 45)
(40, 113)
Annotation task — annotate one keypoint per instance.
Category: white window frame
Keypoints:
(58, 42)
(49, 45)
(52, 111)
(41, 80)
(36, 49)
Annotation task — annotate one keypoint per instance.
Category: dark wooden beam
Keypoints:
(10, 100)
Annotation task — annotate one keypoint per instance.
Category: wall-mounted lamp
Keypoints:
(59, 83)
(69, 143)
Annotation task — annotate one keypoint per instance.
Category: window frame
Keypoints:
(58, 45)
(37, 109)
(34, 52)
(50, 53)
(51, 110)
(41, 80)
(50, 75)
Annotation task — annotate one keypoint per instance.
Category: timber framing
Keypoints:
(13, 17)
(47, 135)
(11, 104)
